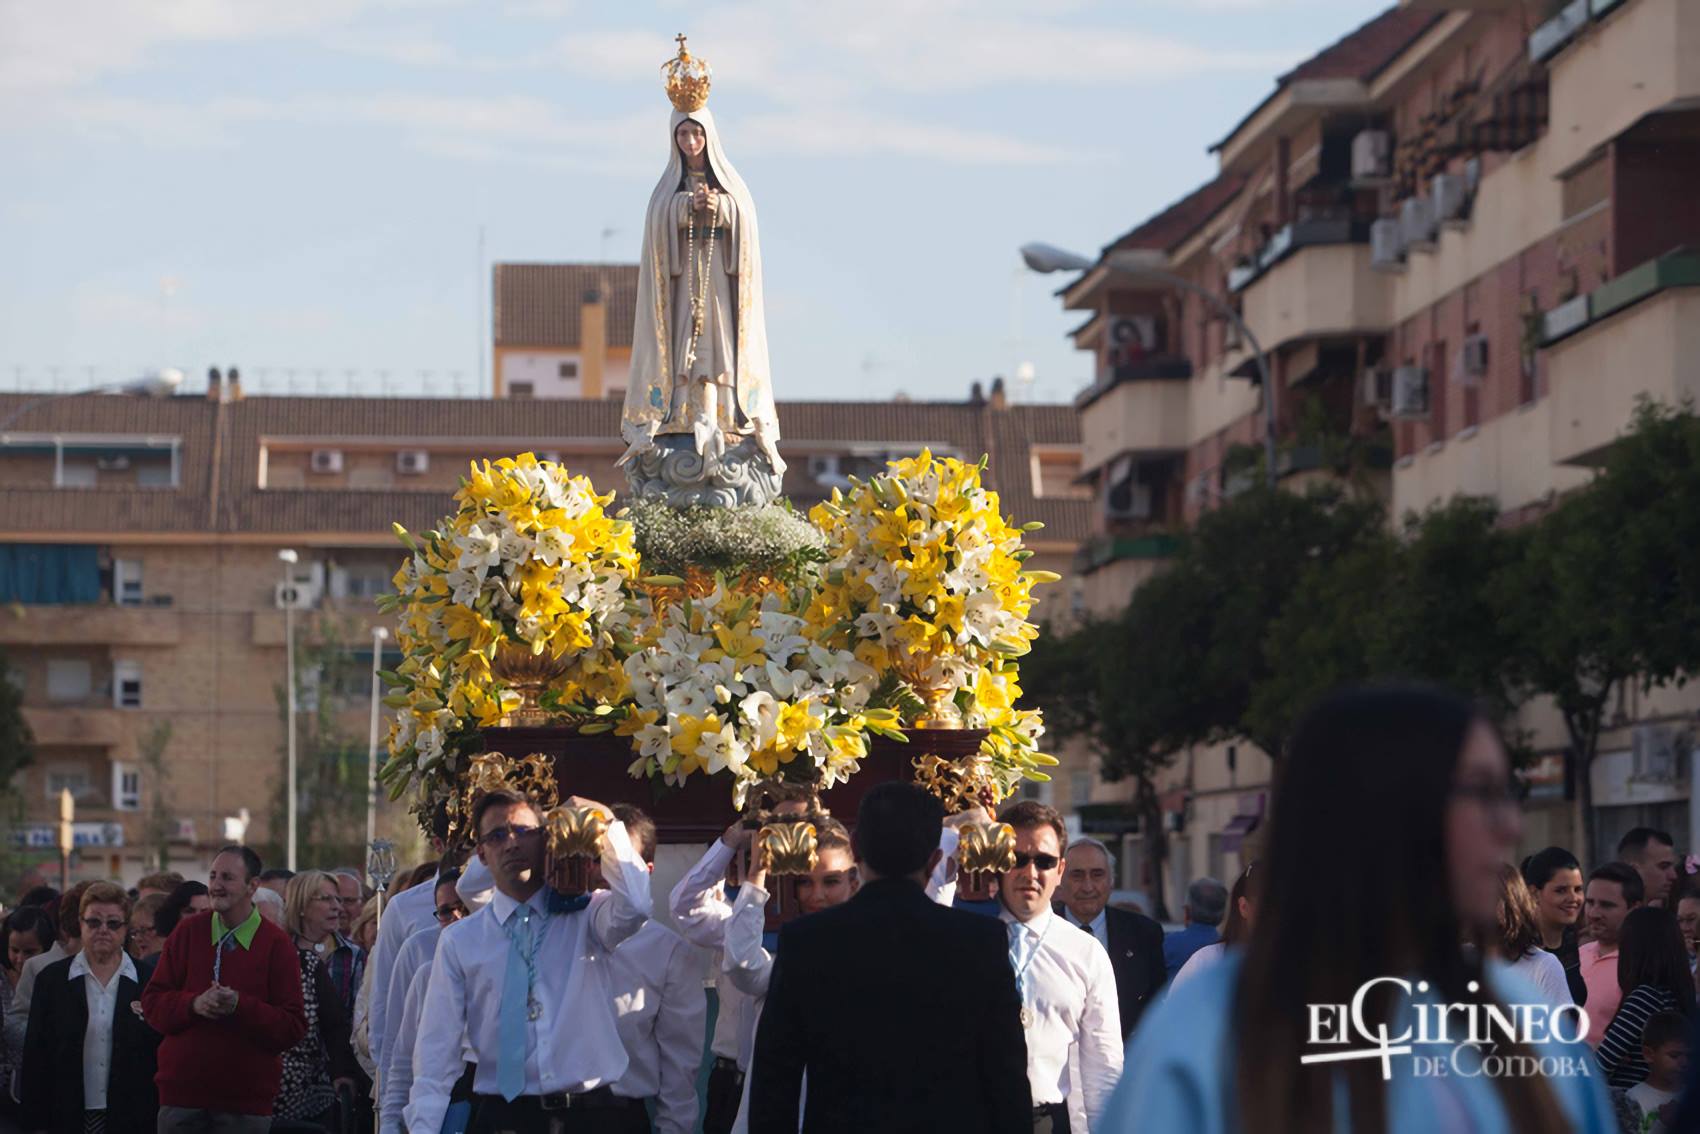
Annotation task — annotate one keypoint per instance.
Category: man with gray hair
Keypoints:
(1206, 903)
(1133, 941)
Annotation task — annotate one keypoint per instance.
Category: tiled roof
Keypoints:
(1180, 220)
(1361, 54)
(537, 305)
(1365, 53)
(1005, 435)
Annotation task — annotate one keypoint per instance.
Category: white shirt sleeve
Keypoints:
(745, 962)
(438, 1049)
(398, 1076)
(941, 884)
(395, 924)
(476, 887)
(1100, 1038)
(698, 903)
(679, 1030)
(627, 875)
(360, 1037)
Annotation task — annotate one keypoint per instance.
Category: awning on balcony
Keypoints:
(1243, 823)
(48, 573)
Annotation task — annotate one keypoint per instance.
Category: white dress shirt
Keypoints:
(97, 1037)
(574, 1045)
(660, 1009)
(413, 965)
(415, 954)
(404, 915)
(700, 910)
(398, 1076)
(1098, 927)
(1070, 995)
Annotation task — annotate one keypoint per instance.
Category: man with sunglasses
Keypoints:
(227, 998)
(522, 989)
(1064, 980)
(88, 1062)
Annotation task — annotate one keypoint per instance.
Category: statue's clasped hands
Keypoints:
(704, 199)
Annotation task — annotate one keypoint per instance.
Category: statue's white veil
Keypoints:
(649, 389)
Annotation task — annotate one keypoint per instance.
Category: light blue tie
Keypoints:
(511, 1023)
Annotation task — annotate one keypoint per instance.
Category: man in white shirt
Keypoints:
(403, 916)
(659, 1006)
(522, 989)
(1064, 979)
(414, 963)
(701, 908)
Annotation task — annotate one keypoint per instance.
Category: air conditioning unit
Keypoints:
(1409, 394)
(325, 461)
(295, 596)
(1387, 245)
(1372, 159)
(1473, 359)
(112, 464)
(1417, 223)
(1378, 387)
(1451, 199)
(1656, 754)
(412, 462)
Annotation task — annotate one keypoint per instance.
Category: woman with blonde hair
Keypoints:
(322, 1061)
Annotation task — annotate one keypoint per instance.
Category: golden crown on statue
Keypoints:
(687, 78)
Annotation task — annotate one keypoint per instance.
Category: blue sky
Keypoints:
(300, 185)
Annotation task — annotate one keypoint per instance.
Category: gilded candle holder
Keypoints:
(984, 851)
(575, 848)
(787, 851)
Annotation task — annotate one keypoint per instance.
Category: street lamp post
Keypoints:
(289, 558)
(1049, 258)
(159, 384)
(379, 636)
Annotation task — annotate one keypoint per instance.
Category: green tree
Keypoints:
(1423, 603)
(17, 743)
(331, 762)
(159, 824)
(1605, 590)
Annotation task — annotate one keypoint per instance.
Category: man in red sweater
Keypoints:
(227, 998)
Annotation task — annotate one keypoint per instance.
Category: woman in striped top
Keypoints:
(1652, 970)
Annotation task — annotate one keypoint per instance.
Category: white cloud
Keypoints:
(75, 43)
(858, 133)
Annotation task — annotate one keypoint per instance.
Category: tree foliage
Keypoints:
(17, 743)
(1276, 598)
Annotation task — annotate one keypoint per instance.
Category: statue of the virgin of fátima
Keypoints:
(699, 419)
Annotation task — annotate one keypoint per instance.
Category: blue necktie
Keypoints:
(511, 1023)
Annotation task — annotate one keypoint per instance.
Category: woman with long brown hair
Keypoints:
(1392, 816)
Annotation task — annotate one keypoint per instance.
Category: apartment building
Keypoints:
(143, 605)
(1466, 238)
(562, 330)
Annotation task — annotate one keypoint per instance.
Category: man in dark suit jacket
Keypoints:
(902, 1013)
(1134, 941)
(51, 1077)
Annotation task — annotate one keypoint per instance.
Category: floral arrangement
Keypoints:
(771, 540)
(529, 564)
(735, 683)
(924, 583)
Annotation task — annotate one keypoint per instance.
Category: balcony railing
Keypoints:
(1335, 229)
(94, 624)
(1104, 549)
(1157, 366)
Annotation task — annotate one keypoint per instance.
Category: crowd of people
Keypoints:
(883, 990)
